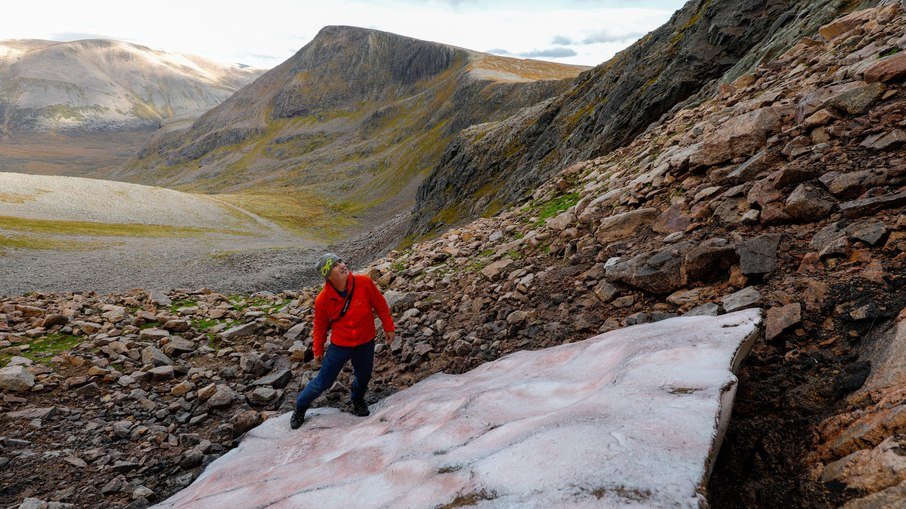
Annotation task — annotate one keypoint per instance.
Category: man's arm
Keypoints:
(379, 304)
(319, 330)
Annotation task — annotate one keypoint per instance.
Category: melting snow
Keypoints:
(631, 418)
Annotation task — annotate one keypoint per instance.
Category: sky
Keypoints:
(264, 33)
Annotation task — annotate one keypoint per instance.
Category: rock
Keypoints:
(162, 372)
(182, 388)
(54, 320)
(262, 395)
(710, 260)
(16, 379)
(153, 356)
(740, 135)
(245, 421)
(658, 272)
(869, 470)
(706, 309)
(42, 413)
(852, 184)
(885, 141)
(890, 69)
(863, 207)
(495, 269)
(561, 221)
(153, 335)
(15, 360)
(192, 458)
(780, 318)
(885, 499)
(752, 168)
(674, 219)
(748, 297)
(246, 329)
(159, 298)
(177, 325)
(516, 317)
(807, 203)
(75, 461)
(223, 397)
(684, 297)
(844, 25)
(400, 301)
(758, 255)
(206, 392)
(623, 225)
(298, 330)
(854, 98)
(606, 291)
(278, 379)
(869, 232)
(142, 492)
(177, 346)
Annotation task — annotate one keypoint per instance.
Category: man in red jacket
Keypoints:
(346, 307)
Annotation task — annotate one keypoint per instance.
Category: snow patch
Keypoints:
(631, 418)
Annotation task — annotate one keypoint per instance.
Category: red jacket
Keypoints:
(357, 326)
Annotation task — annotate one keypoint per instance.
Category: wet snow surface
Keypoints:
(631, 418)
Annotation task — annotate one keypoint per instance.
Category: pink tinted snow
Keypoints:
(631, 418)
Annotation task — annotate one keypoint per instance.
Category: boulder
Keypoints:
(740, 135)
(748, 297)
(278, 379)
(151, 355)
(863, 207)
(808, 203)
(624, 225)
(16, 379)
(246, 329)
(177, 346)
(758, 255)
(710, 260)
(222, 397)
(656, 272)
(886, 140)
(890, 69)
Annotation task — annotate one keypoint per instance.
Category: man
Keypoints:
(346, 306)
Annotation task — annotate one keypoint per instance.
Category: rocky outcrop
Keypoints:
(612, 103)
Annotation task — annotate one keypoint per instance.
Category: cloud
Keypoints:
(549, 53)
(561, 40)
(498, 51)
(606, 36)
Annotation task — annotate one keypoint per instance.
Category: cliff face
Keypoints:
(104, 85)
(609, 105)
(356, 118)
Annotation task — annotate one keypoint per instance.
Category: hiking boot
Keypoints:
(360, 408)
(298, 418)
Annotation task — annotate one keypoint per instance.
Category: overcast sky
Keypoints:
(263, 33)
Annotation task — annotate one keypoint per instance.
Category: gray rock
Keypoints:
(656, 272)
(869, 232)
(162, 372)
(16, 379)
(885, 141)
(808, 203)
(296, 331)
(33, 413)
(606, 291)
(493, 270)
(153, 335)
(758, 255)
(151, 355)
(177, 325)
(246, 329)
(177, 346)
(746, 298)
(709, 260)
(278, 379)
(159, 298)
(852, 184)
(706, 309)
(223, 397)
(262, 395)
(859, 208)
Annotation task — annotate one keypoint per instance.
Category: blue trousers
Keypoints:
(335, 357)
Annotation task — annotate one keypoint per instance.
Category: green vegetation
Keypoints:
(30, 242)
(892, 51)
(106, 229)
(43, 348)
(555, 206)
(182, 303)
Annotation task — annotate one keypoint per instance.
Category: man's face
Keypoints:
(339, 271)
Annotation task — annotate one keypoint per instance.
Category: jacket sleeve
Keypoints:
(319, 330)
(379, 304)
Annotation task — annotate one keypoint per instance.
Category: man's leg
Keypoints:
(334, 358)
(362, 364)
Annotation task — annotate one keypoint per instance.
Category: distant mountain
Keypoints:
(104, 85)
(356, 119)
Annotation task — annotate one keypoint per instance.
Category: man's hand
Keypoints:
(389, 336)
